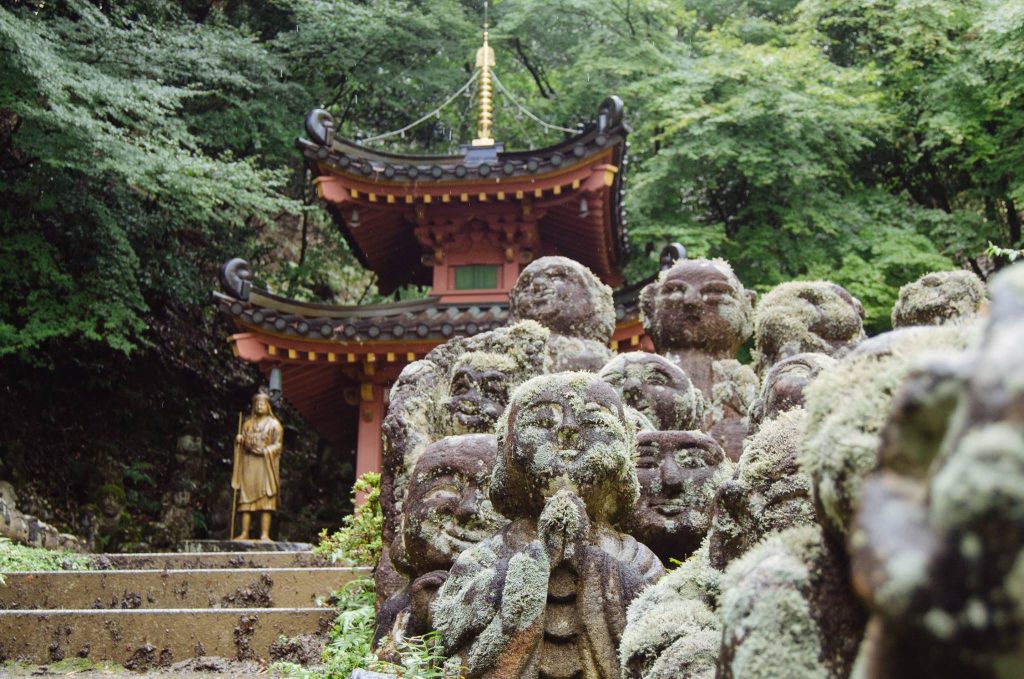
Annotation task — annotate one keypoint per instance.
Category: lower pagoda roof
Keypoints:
(327, 352)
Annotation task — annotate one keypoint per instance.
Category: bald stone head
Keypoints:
(698, 304)
(564, 296)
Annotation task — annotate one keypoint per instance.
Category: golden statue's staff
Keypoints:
(235, 481)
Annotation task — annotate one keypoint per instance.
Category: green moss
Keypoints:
(983, 479)
(766, 614)
(525, 591)
(735, 386)
(847, 407)
(14, 557)
(605, 462)
(803, 316)
(939, 298)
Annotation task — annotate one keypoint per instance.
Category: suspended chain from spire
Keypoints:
(436, 111)
(522, 108)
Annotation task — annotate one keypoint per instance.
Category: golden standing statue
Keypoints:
(257, 473)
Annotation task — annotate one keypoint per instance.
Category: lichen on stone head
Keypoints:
(784, 384)
(803, 317)
(566, 430)
(768, 493)
(563, 295)
(478, 390)
(939, 298)
(697, 304)
(768, 621)
(847, 407)
(448, 507)
(656, 387)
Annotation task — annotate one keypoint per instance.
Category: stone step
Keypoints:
(143, 639)
(182, 560)
(189, 589)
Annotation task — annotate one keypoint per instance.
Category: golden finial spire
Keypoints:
(484, 61)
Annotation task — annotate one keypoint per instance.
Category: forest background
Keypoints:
(145, 142)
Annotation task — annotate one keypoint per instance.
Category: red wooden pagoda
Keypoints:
(464, 225)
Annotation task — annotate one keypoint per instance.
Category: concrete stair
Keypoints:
(153, 610)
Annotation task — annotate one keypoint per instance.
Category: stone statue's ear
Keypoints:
(398, 553)
(752, 296)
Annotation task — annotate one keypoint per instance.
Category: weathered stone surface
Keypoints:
(28, 530)
(447, 510)
(805, 317)
(679, 472)
(215, 546)
(939, 298)
(658, 388)
(149, 589)
(938, 539)
(698, 314)
(546, 596)
(147, 638)
(568, 299)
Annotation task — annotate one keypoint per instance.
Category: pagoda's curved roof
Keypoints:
(556, 174)
(426, 319)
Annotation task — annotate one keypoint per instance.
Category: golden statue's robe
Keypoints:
(257, 473)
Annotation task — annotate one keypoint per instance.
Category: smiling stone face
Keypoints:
(479, 391)
(657, 388)
(697, 304)
(678, 473)
(564, 296)
(566, 430)
(448, 506)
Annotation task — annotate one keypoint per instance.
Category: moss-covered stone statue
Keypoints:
(658, 388)
(459, 387)
(257, 471)
(939, 298)
(698, 314)
(798, 580)
(447, 510)
(678, 472)
(568, 299)
(783, 386)
(673, 628)
(805, 316)
(938, 539)
(547, 595)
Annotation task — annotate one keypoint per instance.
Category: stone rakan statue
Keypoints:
(698, 314)
(459, 387)
(658, 388)
(546, 596)
(569, 300)
(448, 509)
(937, 542)
(672, 628)
(257, 472)
(939, 298)
(678, 472)
(805, 316)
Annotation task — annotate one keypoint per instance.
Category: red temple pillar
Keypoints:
(371, 415)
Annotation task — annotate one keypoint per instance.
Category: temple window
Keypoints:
(476, 277)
